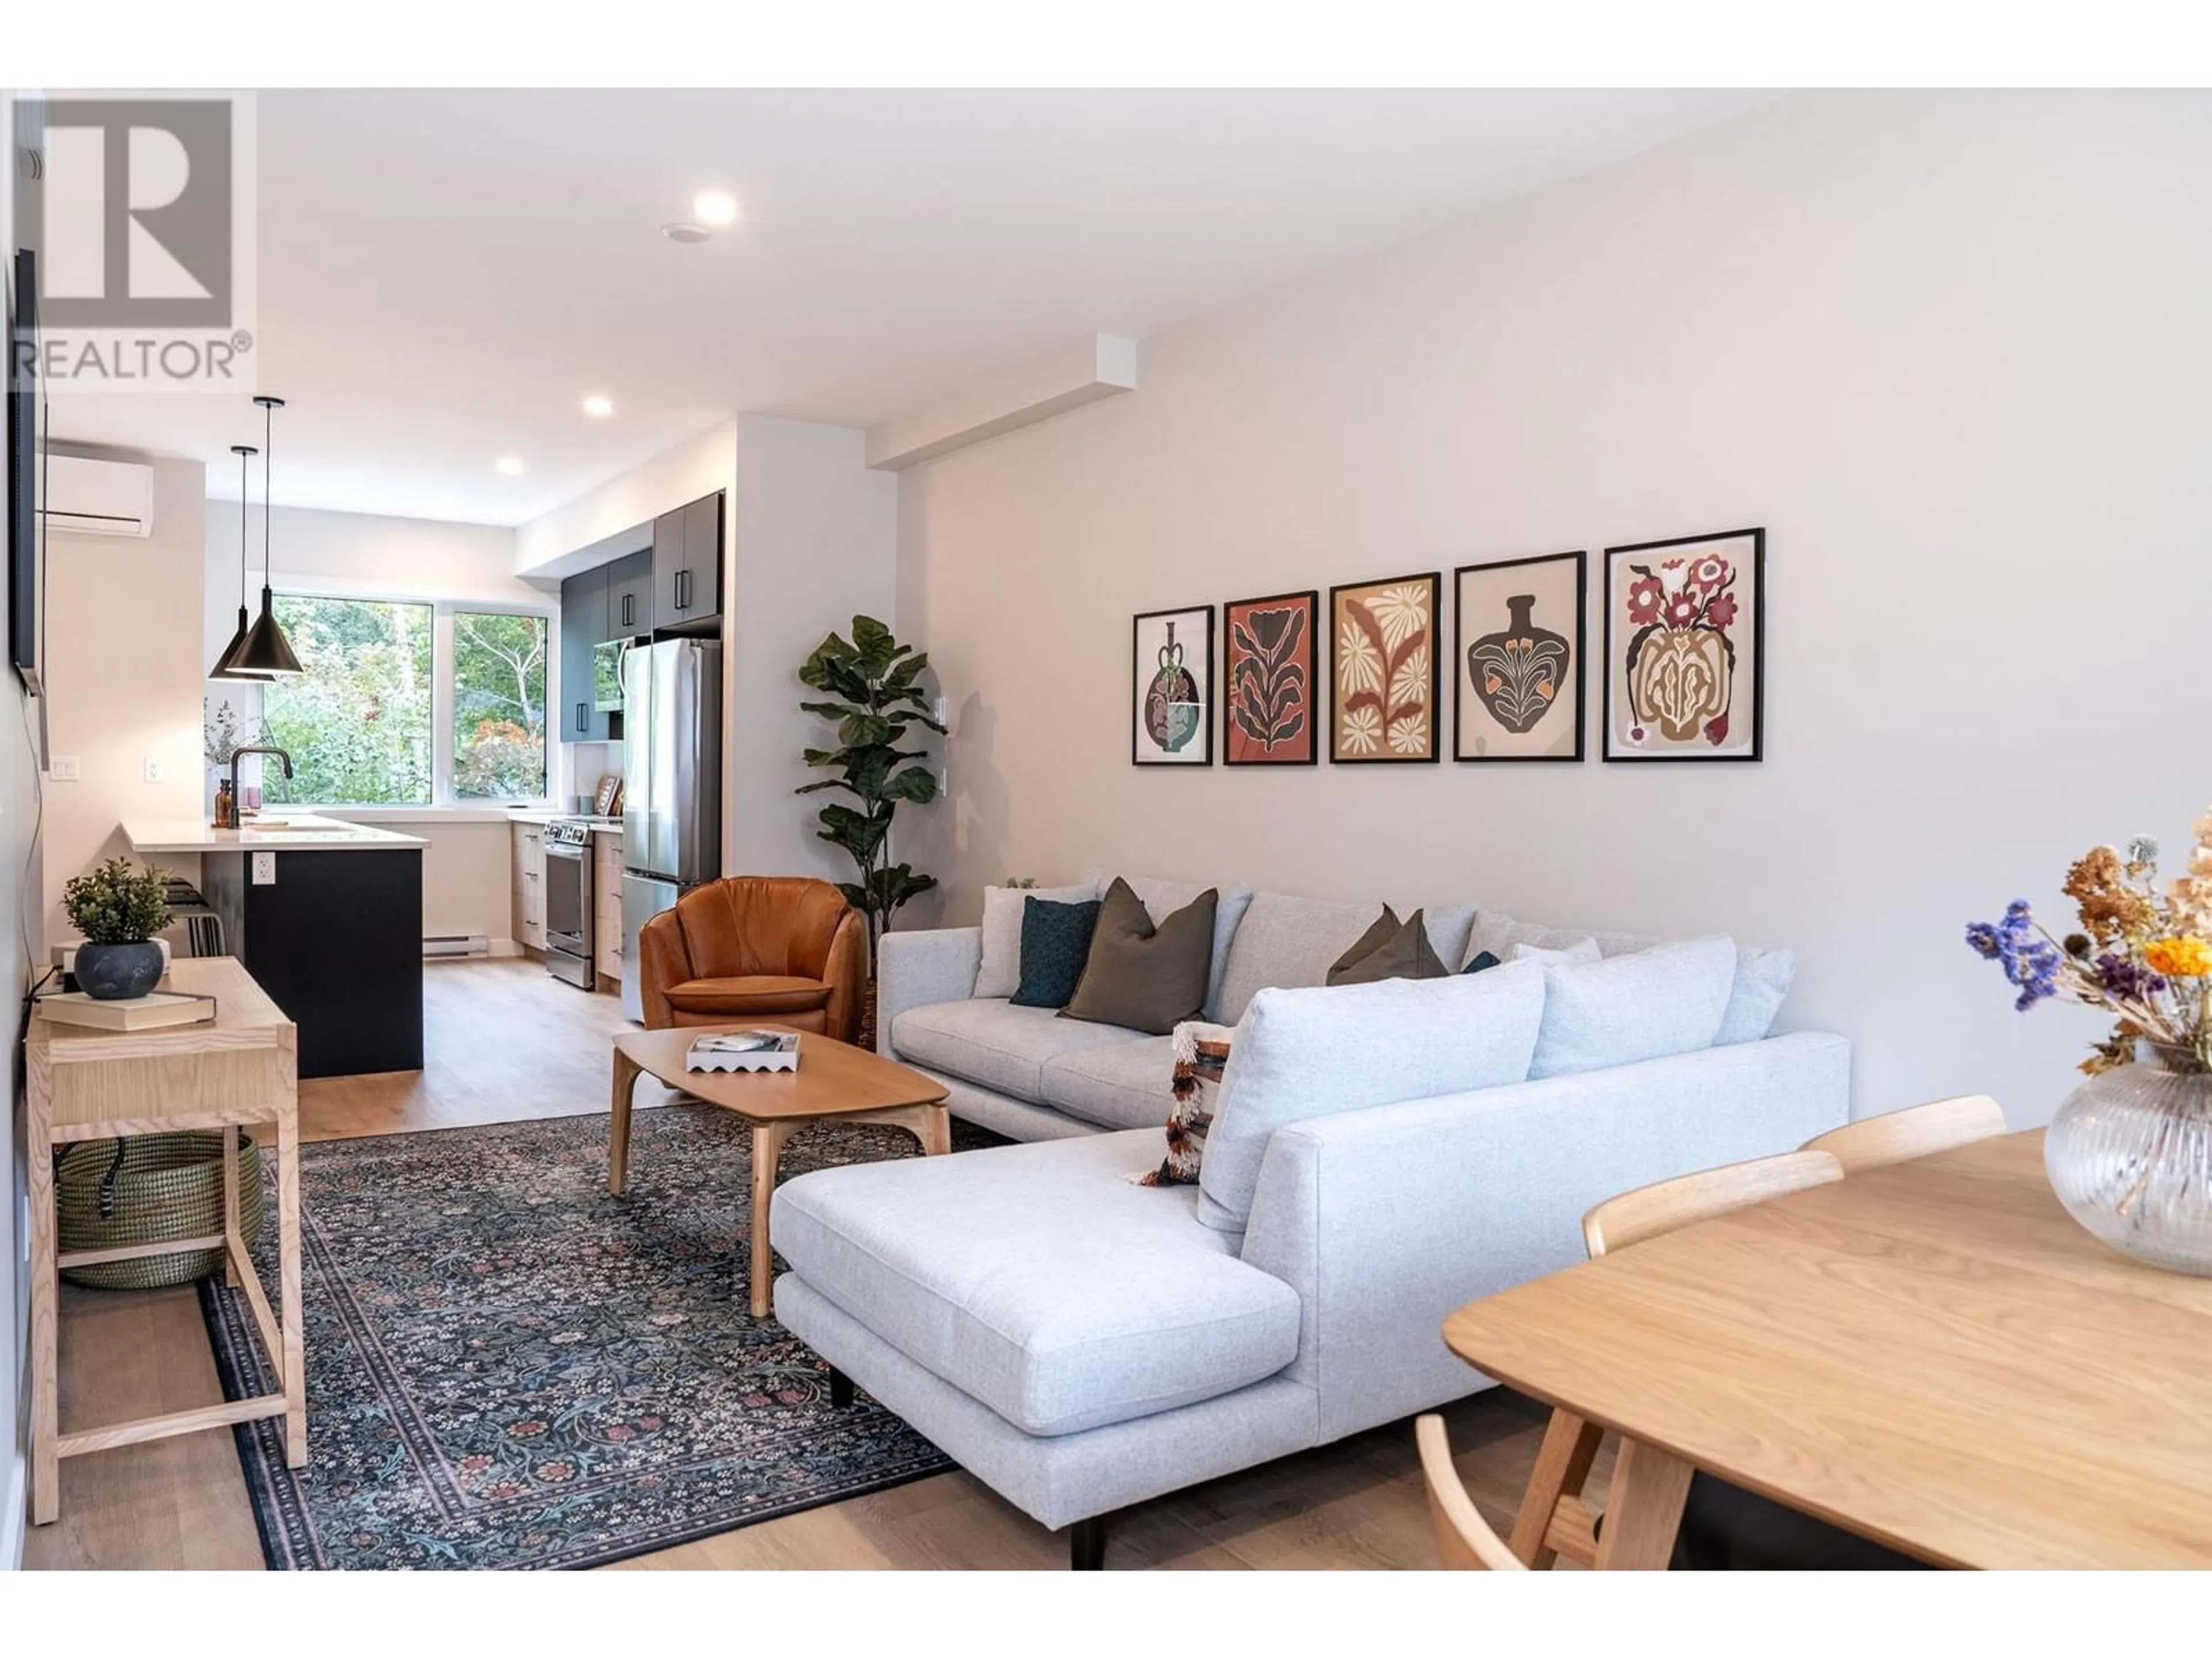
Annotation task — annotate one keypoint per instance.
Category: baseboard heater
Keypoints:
(456, 944)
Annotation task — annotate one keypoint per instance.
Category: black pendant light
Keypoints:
(267, 652)
(226, 666)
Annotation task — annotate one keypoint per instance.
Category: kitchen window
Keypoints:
(408, 704)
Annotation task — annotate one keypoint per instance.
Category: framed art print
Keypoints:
(1684, 648)
(1518, 671)
(1171, 689)
(1382, 669)
(1268, 658)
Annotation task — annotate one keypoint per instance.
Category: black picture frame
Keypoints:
(1580, 667)
(1311, 597)
(1674, 544)
(1139, 676)
(1435, 579)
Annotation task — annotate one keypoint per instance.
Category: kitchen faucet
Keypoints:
(238, 815)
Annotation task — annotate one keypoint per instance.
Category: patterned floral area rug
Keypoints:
(507, 1367)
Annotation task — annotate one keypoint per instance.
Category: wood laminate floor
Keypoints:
(503, 1041)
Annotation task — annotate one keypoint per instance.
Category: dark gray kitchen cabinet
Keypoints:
(583, 625)
(687, 565)
(630, 596)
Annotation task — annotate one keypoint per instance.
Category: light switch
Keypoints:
(64, 769)
(264, 869)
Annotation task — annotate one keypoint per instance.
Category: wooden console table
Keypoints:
(240, 1070)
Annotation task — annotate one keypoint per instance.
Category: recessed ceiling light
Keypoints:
(598, 408)
(684, 231)
(712, 208)
(509, 465)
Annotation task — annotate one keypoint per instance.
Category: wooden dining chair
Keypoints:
(1555, 1520)
(1897, 1137)
(1464, 1540)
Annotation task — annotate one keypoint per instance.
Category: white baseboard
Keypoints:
(17, 1497)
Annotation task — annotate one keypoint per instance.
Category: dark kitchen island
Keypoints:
(331, 929)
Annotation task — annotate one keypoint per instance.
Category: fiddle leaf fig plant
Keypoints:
(872, 686)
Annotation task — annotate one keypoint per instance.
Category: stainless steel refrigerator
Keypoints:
(671, 785)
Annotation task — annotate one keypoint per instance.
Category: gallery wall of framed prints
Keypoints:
(1680, 664)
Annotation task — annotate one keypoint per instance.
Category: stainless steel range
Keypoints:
(568, 844)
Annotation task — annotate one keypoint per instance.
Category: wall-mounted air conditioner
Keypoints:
(99, 498)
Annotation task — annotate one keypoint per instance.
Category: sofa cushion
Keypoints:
(1117, 1085)
(1390, 949)
(989, 1042)
(1762, 982)
(1582, 950)
(1313, 1053)
(1000, 969)
(1040, 1280)
(1645, 1005)
(743, 996)
(1288, 941)
(1146, 977)
(1055, 944)
(1164, 898)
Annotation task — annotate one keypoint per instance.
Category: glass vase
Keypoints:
(2129, 1155)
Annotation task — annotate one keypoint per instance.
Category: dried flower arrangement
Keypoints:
(2142, 957)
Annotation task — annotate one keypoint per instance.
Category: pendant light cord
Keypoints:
(245, 524)
(268, 475)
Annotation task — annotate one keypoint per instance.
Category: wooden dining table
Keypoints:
(1933, 1355)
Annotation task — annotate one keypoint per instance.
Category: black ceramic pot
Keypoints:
(111, 972)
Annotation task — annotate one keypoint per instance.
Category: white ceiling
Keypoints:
(444, 275)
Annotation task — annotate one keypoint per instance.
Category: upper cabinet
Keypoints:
(583, 625)
(687, 565)
(630, 596)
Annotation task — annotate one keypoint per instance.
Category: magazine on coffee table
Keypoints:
(744, 1051)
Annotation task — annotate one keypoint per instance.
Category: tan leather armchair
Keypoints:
(787, 949)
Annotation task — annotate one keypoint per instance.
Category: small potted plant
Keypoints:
(119, 910)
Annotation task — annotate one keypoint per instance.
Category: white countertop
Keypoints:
(301, 832)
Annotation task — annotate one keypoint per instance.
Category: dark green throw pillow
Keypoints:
(1483, 959)
(1390, 949)
(1055, 944)
(1148, 979)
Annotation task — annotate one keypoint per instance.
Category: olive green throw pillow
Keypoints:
(1391, 950)
(1148, 979)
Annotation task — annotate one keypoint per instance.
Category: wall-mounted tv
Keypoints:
(26, 529)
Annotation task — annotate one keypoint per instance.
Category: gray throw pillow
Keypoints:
(1390, 949)
(1145, 978)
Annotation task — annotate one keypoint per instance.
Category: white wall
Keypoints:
(466, 867)
(1951, 349)
(123, 676)
(816, 543)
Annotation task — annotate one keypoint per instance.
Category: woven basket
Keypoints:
(170, 1186)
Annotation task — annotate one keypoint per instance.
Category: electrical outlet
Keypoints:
(264, 869)
(65, 770)
(156, 772)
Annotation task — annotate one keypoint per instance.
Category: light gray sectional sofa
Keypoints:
(1381, 1154)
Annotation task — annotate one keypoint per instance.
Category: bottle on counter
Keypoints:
(226, 807)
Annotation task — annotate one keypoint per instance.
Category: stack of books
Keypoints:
(145, 1013)
(744, 1051)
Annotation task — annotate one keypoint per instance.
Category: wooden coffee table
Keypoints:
(834, 1080)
